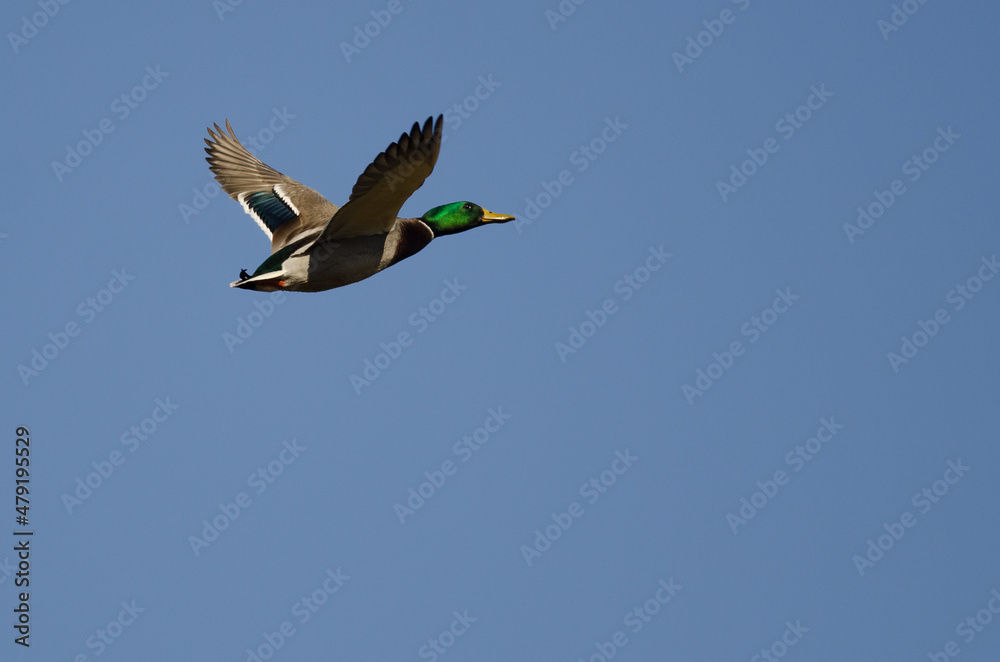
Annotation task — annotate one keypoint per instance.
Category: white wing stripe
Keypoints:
(253, 214)
(280, 191)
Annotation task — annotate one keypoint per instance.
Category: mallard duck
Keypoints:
(317, 246)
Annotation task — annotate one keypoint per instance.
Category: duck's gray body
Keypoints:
(316, 245)
(338, 262)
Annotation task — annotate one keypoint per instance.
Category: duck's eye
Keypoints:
(468, 206)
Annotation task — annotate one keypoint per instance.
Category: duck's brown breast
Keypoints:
(408, 237)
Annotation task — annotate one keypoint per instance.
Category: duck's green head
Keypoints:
(459, 217)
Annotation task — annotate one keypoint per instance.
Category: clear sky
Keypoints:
(728, 385)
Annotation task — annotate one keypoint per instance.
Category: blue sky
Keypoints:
(728, 385)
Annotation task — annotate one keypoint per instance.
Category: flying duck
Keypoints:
(316, 245)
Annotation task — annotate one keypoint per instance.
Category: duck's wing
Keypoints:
(283, 208)
(387, 182)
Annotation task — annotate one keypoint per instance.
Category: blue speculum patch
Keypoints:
(271, 209)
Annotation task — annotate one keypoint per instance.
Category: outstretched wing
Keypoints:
(387, 182)
(283, 208)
